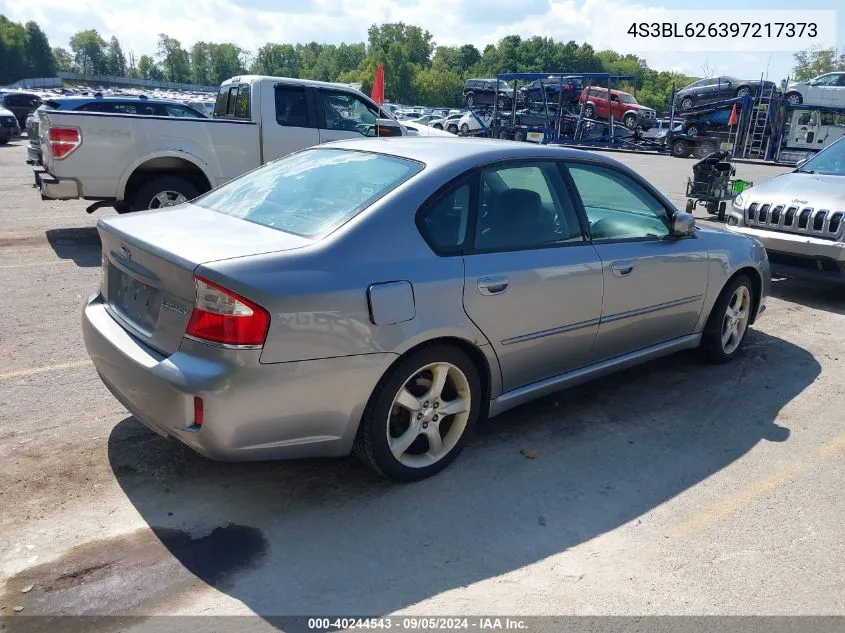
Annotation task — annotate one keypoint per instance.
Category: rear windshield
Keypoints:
(313, 192)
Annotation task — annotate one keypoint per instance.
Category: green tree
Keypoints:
(817, 61)
(434, 86)
(115, 59)
(63, 60)
(13, 42)
(225, 62)
(89, 51)
(148, 69)
(175, 62)
(39, 57)
(279, 60)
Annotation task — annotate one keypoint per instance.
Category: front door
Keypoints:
(345, 115)
(533, 284)
(654, 284)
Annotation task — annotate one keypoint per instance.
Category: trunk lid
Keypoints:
(149, 259)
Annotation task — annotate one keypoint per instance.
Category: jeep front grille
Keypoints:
(822, 223)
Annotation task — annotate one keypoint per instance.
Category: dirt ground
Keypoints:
(674, 488)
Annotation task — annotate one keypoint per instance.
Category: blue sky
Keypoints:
(251, 23)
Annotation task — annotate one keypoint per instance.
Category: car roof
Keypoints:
(442, 151)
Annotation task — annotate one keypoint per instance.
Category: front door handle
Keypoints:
(622, 269)
(492, 285)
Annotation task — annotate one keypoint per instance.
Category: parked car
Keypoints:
(486, 92)
(335, 301)
(21, 104)
(661, 128)
(9, 127)
(567, 89)
(451, 122)
(624, 108)
(164, 160)
(421, 129)
(141, 105)
(824, 90)
(719, 88)
(800, 217)
(469, 122)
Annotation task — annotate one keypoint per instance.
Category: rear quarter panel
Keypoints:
(318, 298)
(114, 145)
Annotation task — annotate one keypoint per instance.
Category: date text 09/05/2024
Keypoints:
(723, 29)
(414, 623)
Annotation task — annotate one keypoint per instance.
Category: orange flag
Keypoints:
(377, 94)
(733, 119)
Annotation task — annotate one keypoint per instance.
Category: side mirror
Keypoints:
(683, 224)
(800, 163)
(388, 127)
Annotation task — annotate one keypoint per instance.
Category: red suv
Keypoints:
(625, 108)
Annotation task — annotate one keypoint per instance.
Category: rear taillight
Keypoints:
(221, 316)
(61, 141)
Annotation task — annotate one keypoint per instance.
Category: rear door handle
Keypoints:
(622, 269)
(492, 285)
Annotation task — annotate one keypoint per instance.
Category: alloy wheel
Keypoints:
(429, 415)
(167, 199)
(735, 321)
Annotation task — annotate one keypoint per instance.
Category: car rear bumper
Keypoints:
(53, 188)
(252, 411)
(794, 255)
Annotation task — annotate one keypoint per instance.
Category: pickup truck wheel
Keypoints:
(163, 191)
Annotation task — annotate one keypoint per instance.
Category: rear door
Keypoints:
(289, 120)
(533, 284)
(654, 284)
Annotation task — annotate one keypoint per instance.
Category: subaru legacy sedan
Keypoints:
(380, 296)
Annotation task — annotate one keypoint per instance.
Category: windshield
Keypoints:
(313, 192)
(626, 98)
(830, 160)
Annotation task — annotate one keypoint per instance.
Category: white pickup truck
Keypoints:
(133, 162)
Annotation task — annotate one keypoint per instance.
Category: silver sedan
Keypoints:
(381, 296)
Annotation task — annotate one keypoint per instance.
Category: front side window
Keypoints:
(444, 224)
(345, 111)
(291, 107)
(626, 98)
(828, 80)
(312, 192)
(524, 206)
(617, 207)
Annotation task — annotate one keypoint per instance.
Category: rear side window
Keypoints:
(292, 107)
(242, 104)
(312, 192)
(444, 224)
(222, 102)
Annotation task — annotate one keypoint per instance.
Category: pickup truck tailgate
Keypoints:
(149, 259)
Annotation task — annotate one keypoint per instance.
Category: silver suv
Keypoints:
(800, 217)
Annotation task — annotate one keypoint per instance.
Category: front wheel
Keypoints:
(794, 99)
(452, 128)
(501, 103)
(692, 130)
(464, 128)
(686, 103)
(589, 112)
(681, 149)
(725, 331)
(470, 100)
(743, 92)
(420, 415)
(437, 126)
(630, 122)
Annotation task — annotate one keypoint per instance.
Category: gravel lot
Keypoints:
(674, 488)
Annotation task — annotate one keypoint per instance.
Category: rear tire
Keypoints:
(722, 207)
(589, 112)
(464, 129)
(737, 296)
(167, 188)
(794, 99)
(681, 149)
(519, 136)
(386, 420)
(470, 99)
(743, 91)
(686, 103)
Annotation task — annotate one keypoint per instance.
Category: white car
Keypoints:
(824, 90)
(416, 128)
(468, 123)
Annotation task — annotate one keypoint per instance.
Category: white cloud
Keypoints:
(251, 23)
